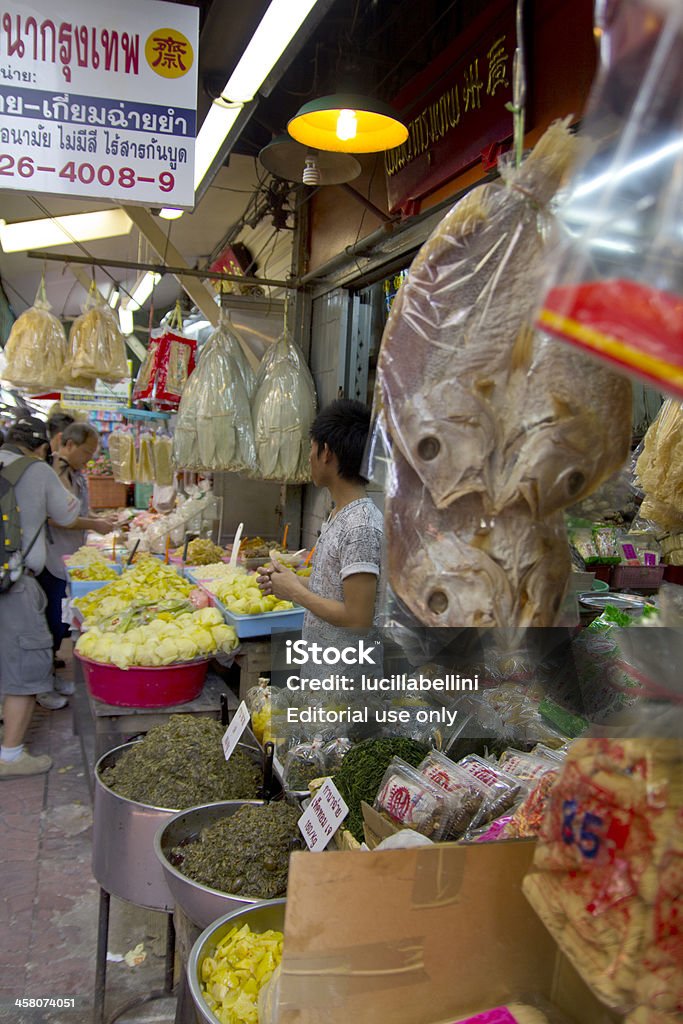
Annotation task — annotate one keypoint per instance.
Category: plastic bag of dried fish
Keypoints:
(36, 348)
(486, 433)
(283, 409)
(97, 349)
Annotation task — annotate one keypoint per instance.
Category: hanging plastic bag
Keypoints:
(122, 455)
(144, 470)
(97, 349)
(185, 443)
(615, 286)
(36, 348)
(283, 410)
(489, 432)
(170, 361)
(659, 469)
(163, 461)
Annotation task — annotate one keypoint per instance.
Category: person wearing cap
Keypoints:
(26, 648)
(77, 446)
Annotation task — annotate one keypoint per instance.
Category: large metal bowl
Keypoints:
(123, 860)
(261, 917)
(201, 904)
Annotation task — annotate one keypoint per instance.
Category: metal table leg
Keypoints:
(101, 959)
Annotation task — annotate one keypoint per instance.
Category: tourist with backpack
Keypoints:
(30, 494)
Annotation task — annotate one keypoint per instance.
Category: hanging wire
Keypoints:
(517, 107)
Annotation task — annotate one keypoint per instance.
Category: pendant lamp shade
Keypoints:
(286, 159)
(346, 123)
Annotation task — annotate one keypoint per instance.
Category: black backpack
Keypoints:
(12, 558)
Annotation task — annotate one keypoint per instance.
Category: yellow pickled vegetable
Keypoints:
(96, 569)
(150, 580)
(242, 964)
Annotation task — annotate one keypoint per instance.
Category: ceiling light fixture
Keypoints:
(347, 123)
(168, 213)
(126, 321)
(287, 159)
(142, 290)
(114, 296)
(76, 227)
(276, 30)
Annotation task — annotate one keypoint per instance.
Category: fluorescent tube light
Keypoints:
(142, 290)
(275, 32)
(114, 296)
(277, 28)
(76, 227)
(126, 320)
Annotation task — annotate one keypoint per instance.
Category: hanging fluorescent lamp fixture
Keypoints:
(74, 227)
(347, 123)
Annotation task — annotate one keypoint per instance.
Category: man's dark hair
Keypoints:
(28, 432)
(58, 422)
(344, 426)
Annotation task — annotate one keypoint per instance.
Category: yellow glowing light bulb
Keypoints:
(347, 125)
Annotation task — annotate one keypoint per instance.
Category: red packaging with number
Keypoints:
(608, 868)
(164, 373)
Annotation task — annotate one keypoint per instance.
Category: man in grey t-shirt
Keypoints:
(342, 592)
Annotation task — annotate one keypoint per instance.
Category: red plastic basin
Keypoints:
(144, 687)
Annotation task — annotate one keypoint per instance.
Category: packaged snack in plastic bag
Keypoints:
(163, 461)
(614, 287)
(97, 349)
(607, 878)
(144, 470)
(410, 800)
(214, 429)
(122, 455)
(303, 763)
(283, 410)
(659, 469)
(169, 363)
(36, 349)
(468, 792)
(503, 790)
(334, 753)
(523, 766)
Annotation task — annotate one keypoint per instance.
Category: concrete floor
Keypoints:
(49, 899)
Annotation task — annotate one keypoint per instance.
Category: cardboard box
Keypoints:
(417, 936)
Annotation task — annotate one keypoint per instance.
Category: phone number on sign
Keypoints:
(124, 177)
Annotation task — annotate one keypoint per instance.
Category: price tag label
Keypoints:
(323, 817)
(232, 735)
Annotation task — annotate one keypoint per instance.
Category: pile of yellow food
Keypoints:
(191, 635)
(85, 555)
(200, 552)
(150, 580)
(243, 963)
(96, 569)
(239, 592)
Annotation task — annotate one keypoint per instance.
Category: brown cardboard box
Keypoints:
(417, 936)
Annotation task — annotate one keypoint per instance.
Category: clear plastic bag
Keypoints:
(334, 753)
(410, 800)
(487, 431)
(144, 469)
(163, 461)
(614, 284)
(36, 349)
(97, 349)
(468, 793)
(170, 360)
(283, 409)
(526, 767)
(214, 429)
(122, 455)
(659, 469)
(303, 763)
(503, 790)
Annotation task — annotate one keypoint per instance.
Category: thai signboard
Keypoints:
(455, 109)
(98, 100)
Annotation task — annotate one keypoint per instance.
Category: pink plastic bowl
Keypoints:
(145, 687)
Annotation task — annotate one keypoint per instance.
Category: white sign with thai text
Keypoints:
(98, 100)
(323, 816)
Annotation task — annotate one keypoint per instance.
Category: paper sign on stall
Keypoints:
(233, 734)
(323, 816)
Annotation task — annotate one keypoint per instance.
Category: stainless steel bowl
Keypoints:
(123, 860)
(260, 918)
(201, 904)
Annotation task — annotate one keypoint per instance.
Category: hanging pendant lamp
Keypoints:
(347, 123)
(286, 159)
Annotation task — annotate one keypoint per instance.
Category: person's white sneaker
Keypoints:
(66, 687)
(51, 701)
(25, 764)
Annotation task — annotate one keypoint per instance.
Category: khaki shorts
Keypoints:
(25, 640)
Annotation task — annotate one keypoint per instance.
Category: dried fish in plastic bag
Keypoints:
(36, 348)
(97, 349)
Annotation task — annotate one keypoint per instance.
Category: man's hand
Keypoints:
(283, 583)
(103, 526)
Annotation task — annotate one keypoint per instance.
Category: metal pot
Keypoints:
(201, 904)
(260, 918)
(123, 860)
